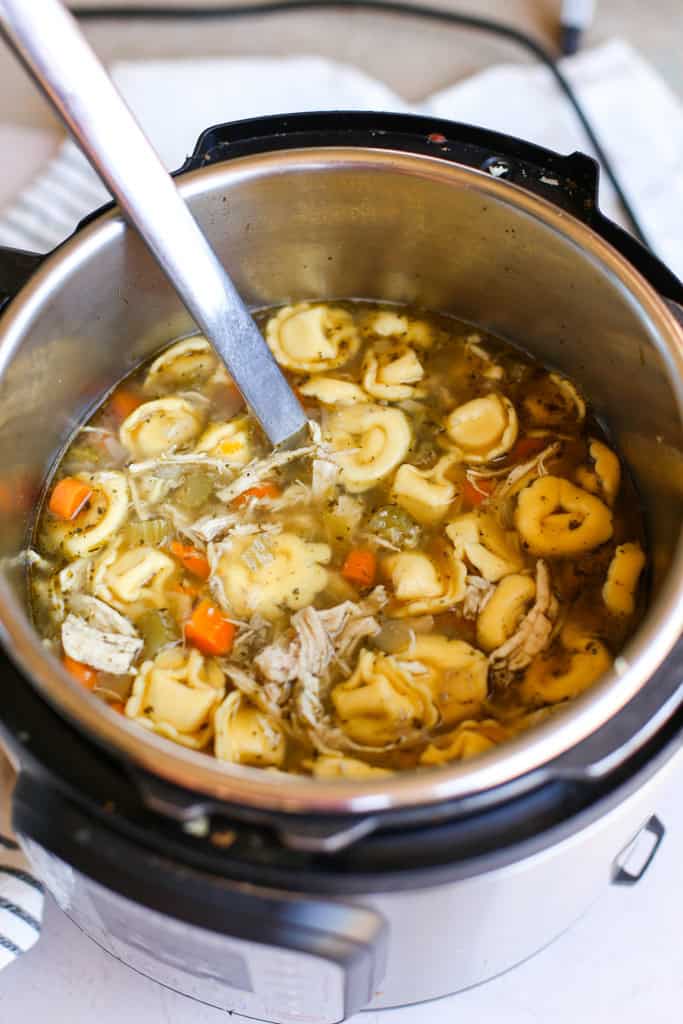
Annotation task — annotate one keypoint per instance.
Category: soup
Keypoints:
(455, 553)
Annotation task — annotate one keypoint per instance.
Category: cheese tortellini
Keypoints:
(556, 519)
(619, 590)
(469, 739)
(370, 442)
(484, 428)
(246, 735)
(390, 374)
(427, 494)
(605, 476)
(269, 573)
(492, 550)
(311, 339)
(229, 441)
(185, 365)
(136, 580)
(561, 674)
(98, 521)
(423, 586)
(383, 702)
(391, 324)
(501, 614)
(454, 672)
(161, 426)
(333, 391)
(176, 695)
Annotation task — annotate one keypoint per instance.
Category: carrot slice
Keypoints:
(118, 707)
(474, 494)
(209, 631)
(192, 559)
(122, 403)
(265, 490)
(525, 447)
(360, 567)
(85, 675)
(69, 497)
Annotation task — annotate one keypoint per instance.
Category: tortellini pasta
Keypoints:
(161, 426)
(187, 364)
(370, 441)
(484, 428)
(98, 521)
(246, 735)
(136, 580)
(390, 374)
(427, 494)
(558, 520)
(554, 400)
(331, 766)
(469, 739)
(454, 672)
(619, 590)
(333, 391)
(480, 538)
(503, 610)
(422, 586)
(176, 694)
(390, 324)
(267, 573)
(558, 675)
(382, 702)
(311, 339)
(229, 441)
(605, 477)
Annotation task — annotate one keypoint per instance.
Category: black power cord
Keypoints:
(411, 10)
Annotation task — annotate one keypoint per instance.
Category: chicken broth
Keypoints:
(454, 554)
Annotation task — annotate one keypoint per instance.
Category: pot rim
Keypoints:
(214, 781)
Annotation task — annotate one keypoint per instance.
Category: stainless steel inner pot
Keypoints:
(364, 223)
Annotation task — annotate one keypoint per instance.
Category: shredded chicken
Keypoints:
(107, 650)
(257, 469)
(477, 594)
(532, 635)
(324, 479)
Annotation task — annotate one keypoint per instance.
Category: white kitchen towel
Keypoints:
(21, 894)
(637, 117)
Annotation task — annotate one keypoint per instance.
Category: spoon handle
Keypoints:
(51, 45)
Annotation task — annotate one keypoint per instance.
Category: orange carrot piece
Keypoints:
(474, 494)
(526, 447)
(69, 497)
(85, 675)
(360, 567)
(192, 559)
(265, 490)
(209, 631)
(118, 707)
(122, 403)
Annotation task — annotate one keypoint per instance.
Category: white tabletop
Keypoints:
(622, 963)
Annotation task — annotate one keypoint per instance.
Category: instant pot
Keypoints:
(283, 897)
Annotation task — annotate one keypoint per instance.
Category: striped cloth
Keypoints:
(21, 894)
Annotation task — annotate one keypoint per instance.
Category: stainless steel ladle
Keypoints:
(48, 40)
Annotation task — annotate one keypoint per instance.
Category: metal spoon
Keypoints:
(49, 42)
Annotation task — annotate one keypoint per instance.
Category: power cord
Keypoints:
(410, 10)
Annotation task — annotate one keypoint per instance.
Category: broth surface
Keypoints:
(455, 554)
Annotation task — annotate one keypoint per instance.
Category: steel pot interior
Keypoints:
(321, 223)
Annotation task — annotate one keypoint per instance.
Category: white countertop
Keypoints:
(623, 962)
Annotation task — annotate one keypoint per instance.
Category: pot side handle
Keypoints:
(297, 940)
(16, 267)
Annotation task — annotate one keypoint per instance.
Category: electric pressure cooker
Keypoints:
(289, 898)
